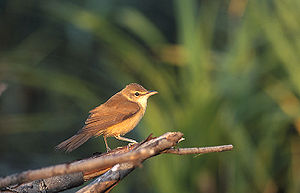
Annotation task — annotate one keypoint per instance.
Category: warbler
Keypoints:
(114, 118)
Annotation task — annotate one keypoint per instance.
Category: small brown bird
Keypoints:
(116, 117)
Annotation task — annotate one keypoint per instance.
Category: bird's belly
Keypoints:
(123, 127)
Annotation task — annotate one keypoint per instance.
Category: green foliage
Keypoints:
(230, 76)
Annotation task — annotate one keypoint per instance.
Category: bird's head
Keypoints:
(136, 93)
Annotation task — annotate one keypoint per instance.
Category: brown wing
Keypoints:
(115, 110)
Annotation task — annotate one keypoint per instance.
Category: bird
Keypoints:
(117, 116)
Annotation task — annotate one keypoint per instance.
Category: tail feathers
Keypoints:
(74, 142)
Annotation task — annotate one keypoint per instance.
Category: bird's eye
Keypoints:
(136, 93)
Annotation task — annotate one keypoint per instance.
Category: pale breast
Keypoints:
(125, 126)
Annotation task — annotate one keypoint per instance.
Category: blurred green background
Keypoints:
(227, 72)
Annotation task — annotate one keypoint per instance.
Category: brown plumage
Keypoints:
(116, 117)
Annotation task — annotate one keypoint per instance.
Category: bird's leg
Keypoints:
(107, 148)
(125, 139)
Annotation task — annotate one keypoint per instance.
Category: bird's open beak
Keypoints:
(151, 92)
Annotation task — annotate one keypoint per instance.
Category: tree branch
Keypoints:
(53, 184)
(198, 150)
(112, 167)
(107, 181)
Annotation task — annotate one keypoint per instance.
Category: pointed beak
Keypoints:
(151, 92)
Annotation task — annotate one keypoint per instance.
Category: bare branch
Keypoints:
(107, 181)
(53, 184)
(110, 167)
(199, 150)
(61, 169)
(90, 164)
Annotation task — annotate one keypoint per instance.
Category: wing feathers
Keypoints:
(114, 111)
